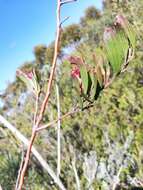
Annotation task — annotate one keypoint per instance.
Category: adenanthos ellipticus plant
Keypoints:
(108, 62)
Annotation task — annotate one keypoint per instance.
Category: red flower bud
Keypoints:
(75, 73)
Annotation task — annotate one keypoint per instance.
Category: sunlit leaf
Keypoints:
(131, 34)
(128, 28)
(99, 75)
(100, 63)
(84, 78)
(116, 50)
(93, 86)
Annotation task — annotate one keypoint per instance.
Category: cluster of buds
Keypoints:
(31, 81)
(90, 80)
(76, 62)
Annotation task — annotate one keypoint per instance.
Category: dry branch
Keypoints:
(58, 133)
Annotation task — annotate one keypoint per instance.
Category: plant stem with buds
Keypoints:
(45, 102)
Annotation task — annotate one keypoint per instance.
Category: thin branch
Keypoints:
(75, 173)
(67, 1)
(117, 178)
(58, 133)
(36, 109)
(64, 20)
(127, 144)
(38, 156)
(73, 111)
(20, 169)
(70, 113)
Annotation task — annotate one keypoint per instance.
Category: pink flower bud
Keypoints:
(75, 73)
(29, 75)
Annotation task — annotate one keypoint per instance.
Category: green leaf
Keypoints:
(116, 50)
(93, 85)
(35, 83)
(100, 62)
(131, 34)
(84, 78)
(99, 75)
(98, 90)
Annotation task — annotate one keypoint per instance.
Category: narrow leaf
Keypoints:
(116, 50)
(93, 86)
(99, 75)
(131, 34)
(84, 78)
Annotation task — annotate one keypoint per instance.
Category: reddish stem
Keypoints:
(45, 102)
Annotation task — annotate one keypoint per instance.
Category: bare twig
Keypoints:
(36, 109)
(26, 161)
(117, 178)
(73, 111)
(38, 156)
(75, 173)
(21, 165)
(127, 144)
(58, 133)
(70, 113)
(67, 1)
(64, 20)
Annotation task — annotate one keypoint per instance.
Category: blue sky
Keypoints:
(26, 23)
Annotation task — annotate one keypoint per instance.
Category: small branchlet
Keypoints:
(67, 1)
